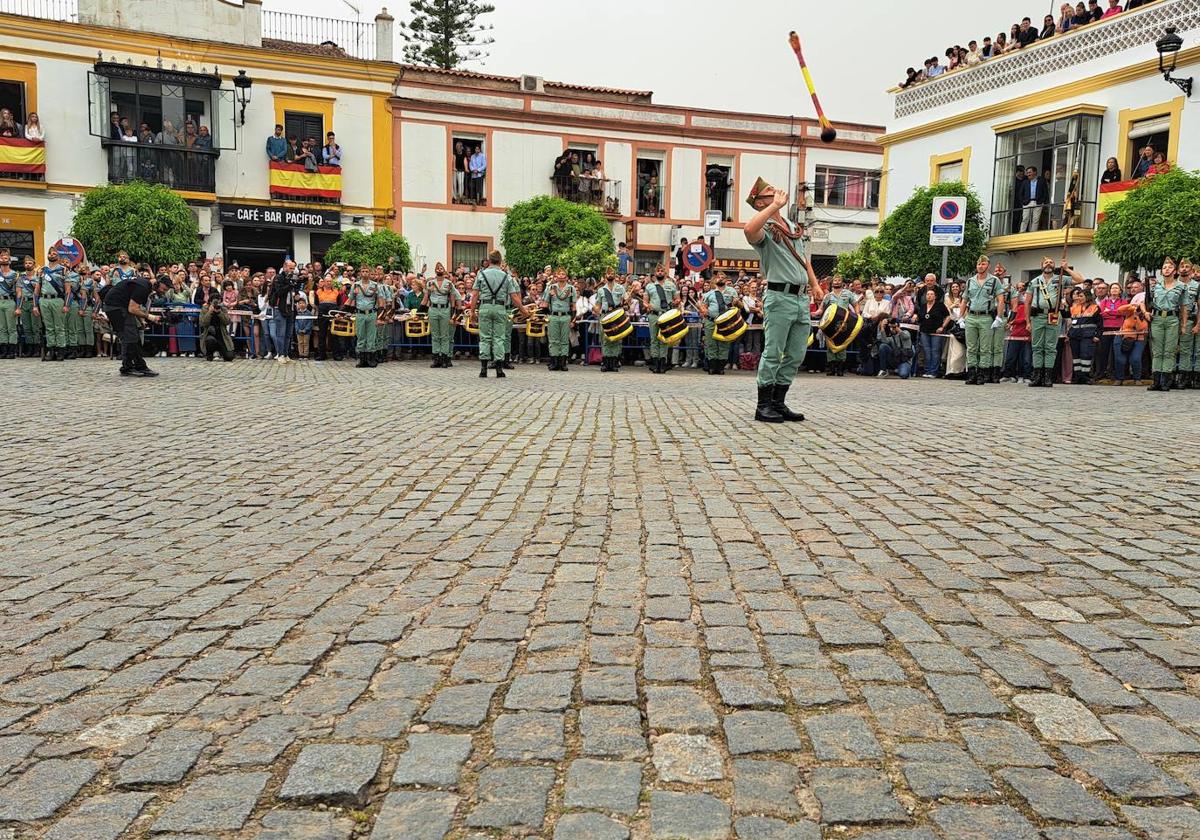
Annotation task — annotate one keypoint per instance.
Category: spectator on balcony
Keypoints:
(461, 160)
(1112, 172)
(189, 135)
(33, 128)
(987, 50)
(933, 69)
(293, 149)
(167, 137)
(331, 152)
(204, 138)
(1026, 34)
(9, 127)
(562, 175)
(1082, 18)
(1049, 28)
(1160, 164)
(307, 156)
(1133, 4)
(277, 146)
(1035, 197)
(912, 77)
(973, 56)
(1145, 163)
(1066, 18)
(650, 197)
(114, 126)
(477, 173)
(145, 134)
(1096, 13)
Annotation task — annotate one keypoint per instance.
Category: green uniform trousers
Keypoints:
(365, 332)
(714, 350)
(997, 348)
(31, 326)
(1044, 341)
(89, 331)
(506, 334)
(74, 326)
(658, 350)
(55, 321)
(836, 355)
(786, 325)
(440, 331)
(609, 349)
(1164, 343)
(493, 324)
(558, 331)
(8, 321)
(979, 342)
(1187, 352)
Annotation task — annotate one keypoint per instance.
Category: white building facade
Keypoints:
(1062, 105)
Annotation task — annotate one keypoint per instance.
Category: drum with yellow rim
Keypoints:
(535, 327)
(672, 327)
(616, 325)
(470, 321)
(417, 325)
(729, 325)
(341, 324)
(840, 325)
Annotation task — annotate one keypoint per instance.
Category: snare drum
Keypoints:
(341, 324)
(417, 325)
(840, 325)
(470, 321)
(616, 325)
(535, 327)
(672, 327)
(729, 325)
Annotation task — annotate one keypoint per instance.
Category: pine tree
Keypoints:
(443, 33)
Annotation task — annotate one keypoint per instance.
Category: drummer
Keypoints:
(838, 295)
(609, 297)
(713, 305)
(658, 297)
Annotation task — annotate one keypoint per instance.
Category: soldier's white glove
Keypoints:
(998, 323)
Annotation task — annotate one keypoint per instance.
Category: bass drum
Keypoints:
(672, 327)
(729, 325)
(840, 326)
(616, 325)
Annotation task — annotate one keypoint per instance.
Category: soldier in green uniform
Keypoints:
(657, 298)
(30, 323)
(53, 290)
(838, 294)
(786, 321)
(439, 298)
(559, 300)
(494, 291)
(88, 298)
(714, 304)
(985, 301)
(1168, 321)
(1043, 299)
(364, 296)
(10, 303)
(609, 296)
(387, 307)
(1189, 353)
(73, 323)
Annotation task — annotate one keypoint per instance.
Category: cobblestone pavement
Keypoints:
(314, 602)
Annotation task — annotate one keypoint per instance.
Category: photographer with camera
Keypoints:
(894, 349)
(215, 334)
(125, 306)
(281, 297)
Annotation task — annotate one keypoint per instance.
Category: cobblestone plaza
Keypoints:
(311, 602)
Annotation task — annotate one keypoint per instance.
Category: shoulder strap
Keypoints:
(720, 300)
(609, 296)
(662, 295)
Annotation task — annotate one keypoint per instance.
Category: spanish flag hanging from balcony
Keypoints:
(291, 179)
(24, 156)
(1110, 194)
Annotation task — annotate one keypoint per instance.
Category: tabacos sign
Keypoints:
(293, 218)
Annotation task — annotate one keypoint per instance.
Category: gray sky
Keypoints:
(855, 49)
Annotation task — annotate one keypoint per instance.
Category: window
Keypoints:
(470, 254)
(466, 148)
(853, 188)
(718, 184)
(171, 105)
(651, 187)
(12, 97)
(1054, 150)
(303, 126)
(645, 262)
(1153, 134)
(947, 172)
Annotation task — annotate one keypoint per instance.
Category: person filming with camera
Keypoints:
(894, 349)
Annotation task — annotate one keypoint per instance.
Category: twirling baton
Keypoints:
(828, 132)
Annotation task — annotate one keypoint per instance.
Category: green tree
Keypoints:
(864, 262)
(904, 235)
(536, 232)
(586, 260)
(445, 34)
(1158, 218)
(148, 220)
(382, 247)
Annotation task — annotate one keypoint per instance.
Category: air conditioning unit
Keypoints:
(203, 219)
(532, 84)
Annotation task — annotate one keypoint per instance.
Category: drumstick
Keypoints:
(828, 132)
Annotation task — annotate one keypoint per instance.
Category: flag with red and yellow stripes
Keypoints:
(1110, 194)
(22, 156)
(291, 179)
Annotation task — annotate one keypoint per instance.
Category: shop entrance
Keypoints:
(257, 248)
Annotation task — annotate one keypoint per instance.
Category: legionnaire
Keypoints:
(506, 333)
(31, 322)
(1168, 321)
(385, 317)
(838, 295)
(53, 290)
(657, 298)
(440, 297)
(786, 320)
(610, 296)
(364, 296)
(1006, 289)
(713, 305)
(984, 298)
(1043, 300)
(1189, 351)
(494, 291)
(10, 305)
(87, 298)
(124, 269)
(559, 300)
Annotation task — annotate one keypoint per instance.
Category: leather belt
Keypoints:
(439, 306)
(786, 288)
(1164, 313)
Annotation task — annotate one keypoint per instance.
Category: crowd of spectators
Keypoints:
(1019, 36)
(582, 180)
(31, 129)
(305, 151)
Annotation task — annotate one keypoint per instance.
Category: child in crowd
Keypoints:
(304, 326)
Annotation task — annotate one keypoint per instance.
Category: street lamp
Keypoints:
(1169, 46)
(242, 83)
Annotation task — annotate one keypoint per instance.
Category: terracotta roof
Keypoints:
(329, 50)
(468, 74)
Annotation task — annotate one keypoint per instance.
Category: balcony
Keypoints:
(22, 160)
(1135, 30)
(292, 182)
(183, 169)
(602, 193)
(352, 38)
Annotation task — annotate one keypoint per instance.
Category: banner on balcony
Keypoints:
(17, 155)
(291, 179)
(1110, 194)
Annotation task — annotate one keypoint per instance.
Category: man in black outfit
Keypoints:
(125, 305)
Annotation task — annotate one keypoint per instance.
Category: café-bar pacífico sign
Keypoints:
(293, 218)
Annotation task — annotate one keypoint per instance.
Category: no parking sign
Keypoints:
(949, 221)
(697, 256)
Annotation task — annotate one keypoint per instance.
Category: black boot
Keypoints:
(499, 369)
(972, 377)
(507, 363)
(721, 367)
(830, 368)
(766, 413)
(1168, 381)
(552, 364)
(447, 360)
(362, 360)
(483, 367)
(1156, 383)
(1048, 377)
(841, 369)
(564, 364)
(1035, 378)
(778, 403)
(437, 360)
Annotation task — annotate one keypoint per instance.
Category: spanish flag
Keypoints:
(22, 155)
(290, 179)
(1110, 194)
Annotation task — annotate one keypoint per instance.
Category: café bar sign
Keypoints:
(293, 218)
